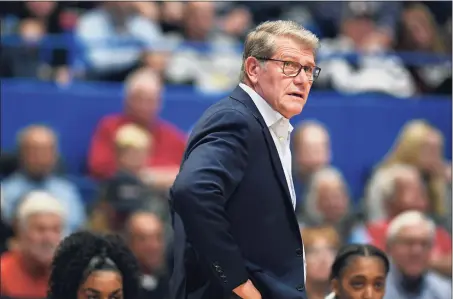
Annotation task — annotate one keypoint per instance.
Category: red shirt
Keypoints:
(378, 230)
(17, 282)
(167, 149)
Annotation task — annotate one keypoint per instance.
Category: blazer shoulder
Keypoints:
(229, 106)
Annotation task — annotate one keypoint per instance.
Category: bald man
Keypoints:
(38, 155)
(141, 107)
(146, 238)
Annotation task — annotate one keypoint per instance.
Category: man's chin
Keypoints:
(413, 273)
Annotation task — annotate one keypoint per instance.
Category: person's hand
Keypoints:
(247, 291)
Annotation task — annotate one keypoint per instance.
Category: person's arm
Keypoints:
(101, 159)
(217, 159)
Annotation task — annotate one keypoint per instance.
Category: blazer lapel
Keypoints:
(240, 95)
(277, 164)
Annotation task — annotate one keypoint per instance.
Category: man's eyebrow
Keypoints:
(289, 57)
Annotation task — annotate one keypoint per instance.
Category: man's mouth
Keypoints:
(296, 95)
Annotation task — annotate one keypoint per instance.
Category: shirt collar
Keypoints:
(271, 117)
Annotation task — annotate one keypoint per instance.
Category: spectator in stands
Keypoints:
(171, 15)
(421, 33)
(38, 155)
(311, 142)
(142, 105)
(234, 18)
(401, 189)
(421, 145)
(321, 245)
(328, 203)
(115, 37)
(127, 191)
(410, 239)
(209, 59)
(359, 271)
(146, 238)
(88, 265)
(25, 270)
(361, 32)
(32, 20)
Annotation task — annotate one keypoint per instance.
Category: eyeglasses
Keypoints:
(292, 68)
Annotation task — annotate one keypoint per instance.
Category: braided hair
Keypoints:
(350, 251)
(84, 252)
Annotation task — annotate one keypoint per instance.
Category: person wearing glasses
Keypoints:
(235, 231)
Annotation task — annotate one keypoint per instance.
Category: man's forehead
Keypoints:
(415, 230)
(291, 49)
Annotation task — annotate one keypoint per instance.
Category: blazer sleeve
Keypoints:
(216, 158)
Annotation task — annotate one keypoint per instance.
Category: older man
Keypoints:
(410, 238)
(401, 190)
(146, 237)
(25, 270)
(38, 150)
(233, 200)
(142, 105)
(312, 152)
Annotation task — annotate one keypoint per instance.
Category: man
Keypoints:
(26, 269)
(146, 238)
(312, 148)
(142, 105)
(402, 190)
(233, 200)
(100, 30)
(410, 239)
(38, 154)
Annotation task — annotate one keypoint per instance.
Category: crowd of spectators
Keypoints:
(198, 43)
(134, 156)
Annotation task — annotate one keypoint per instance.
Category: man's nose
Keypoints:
(301, 78)
(368, 293)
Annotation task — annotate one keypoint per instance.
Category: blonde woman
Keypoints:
(421, 145)
(321, 245)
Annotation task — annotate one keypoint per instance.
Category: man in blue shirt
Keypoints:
(38, 156)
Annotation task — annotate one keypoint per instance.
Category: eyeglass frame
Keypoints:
(315, 68)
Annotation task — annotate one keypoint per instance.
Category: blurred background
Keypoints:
(85, 122)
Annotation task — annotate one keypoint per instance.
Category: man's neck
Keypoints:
(36, 178)
(143, 124)
(33, 267)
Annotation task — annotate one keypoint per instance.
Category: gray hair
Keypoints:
(141, 77)
(261, 41)
(409, 219)
(382, 188)
(39, 202)
(325, 174)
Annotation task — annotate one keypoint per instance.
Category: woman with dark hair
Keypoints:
(359, 271)
(91, 266)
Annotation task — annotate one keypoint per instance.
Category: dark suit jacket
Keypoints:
(232, 212)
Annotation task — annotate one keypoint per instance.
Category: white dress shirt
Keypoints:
(280, 129)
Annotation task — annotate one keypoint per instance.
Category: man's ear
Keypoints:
(252, 68)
